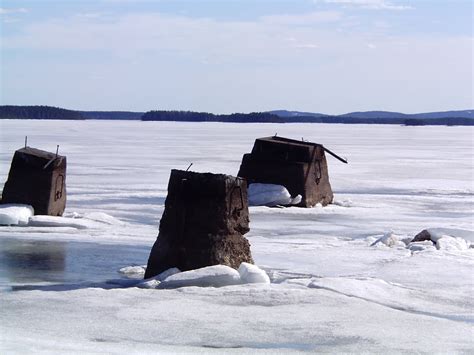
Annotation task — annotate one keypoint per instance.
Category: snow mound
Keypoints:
(449, 243)
(209, 276)
(437, 233)
(15, 214)
(251, 274)
(270, 195)
(451, 239)
(154, 282)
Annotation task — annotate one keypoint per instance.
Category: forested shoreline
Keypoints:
(56, 113)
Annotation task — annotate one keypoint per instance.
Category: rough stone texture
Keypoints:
(205, 218)
(299, 166)
(422, 236)
(37, 178)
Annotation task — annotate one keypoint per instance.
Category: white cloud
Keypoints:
(4, 11)
(369, 4)
(311, 18)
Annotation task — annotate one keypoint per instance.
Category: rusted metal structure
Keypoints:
(205, 218)
(298, 165)
(37, 178)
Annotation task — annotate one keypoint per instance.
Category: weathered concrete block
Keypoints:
(299, 166)
(205, 218)
(37, 178)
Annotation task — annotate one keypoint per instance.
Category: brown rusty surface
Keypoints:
(203, 223)
(37, 178)
(299, 166)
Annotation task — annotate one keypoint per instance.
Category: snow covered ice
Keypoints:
(343, 278)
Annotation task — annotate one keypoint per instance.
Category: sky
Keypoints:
(330, 56)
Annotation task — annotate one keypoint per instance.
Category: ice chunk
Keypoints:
(15, 214)
(390, 239)
(426, 245)
(135, 270)
(270, 195)
(252, 274)
(209, 276)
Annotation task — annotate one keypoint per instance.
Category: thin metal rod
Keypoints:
(189, 166)
(335, 155)
(26, 141)
(57, 150)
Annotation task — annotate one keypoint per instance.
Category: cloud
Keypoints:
(368, 4)
(4, 11)
(311, 18)
(158, 32)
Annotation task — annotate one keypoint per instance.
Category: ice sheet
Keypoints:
(380, 298)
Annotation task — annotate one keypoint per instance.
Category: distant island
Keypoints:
(449, 118)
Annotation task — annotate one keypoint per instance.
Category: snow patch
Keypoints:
(15, 214)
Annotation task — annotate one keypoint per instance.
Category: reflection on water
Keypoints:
(23, 261)
(34, 262)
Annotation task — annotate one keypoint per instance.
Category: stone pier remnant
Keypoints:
(205, 218)
(298, 165)
(37, 178)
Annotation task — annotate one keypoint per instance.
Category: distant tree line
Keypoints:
(38, 113)
(111, 115)
(449, 121)
(190, 116)
(56, 113)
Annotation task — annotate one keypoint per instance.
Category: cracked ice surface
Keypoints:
(332, 289)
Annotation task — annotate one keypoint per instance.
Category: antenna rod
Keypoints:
(26, 141)
(189, 166)
(57, 150)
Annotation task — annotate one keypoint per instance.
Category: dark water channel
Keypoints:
(30, 262)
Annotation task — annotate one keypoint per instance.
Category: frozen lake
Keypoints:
(332, 290)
